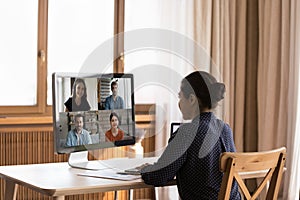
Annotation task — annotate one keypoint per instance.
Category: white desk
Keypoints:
(59, 179)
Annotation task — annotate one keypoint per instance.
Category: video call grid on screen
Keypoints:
(96, 120)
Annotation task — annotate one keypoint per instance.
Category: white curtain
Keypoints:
(292, 175)
(177, 16)
(165, 66)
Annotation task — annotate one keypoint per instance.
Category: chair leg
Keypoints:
(116, 195)
(130, 194)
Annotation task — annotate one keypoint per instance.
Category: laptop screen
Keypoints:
(174, 127)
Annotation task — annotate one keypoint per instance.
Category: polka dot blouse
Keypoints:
(192, 155)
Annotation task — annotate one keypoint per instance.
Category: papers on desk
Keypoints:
(120, 168)
(110, 174)
(128, 163)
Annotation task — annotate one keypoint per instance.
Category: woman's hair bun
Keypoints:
(217, 92)
(205, 87)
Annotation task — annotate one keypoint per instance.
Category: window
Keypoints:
(72, 37)
(18, 39)
(41, 37)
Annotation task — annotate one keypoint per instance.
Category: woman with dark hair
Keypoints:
(193, 151)
(78, 101)
(114, 133)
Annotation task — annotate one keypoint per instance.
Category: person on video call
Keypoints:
(114, 133)
(78, 101)
(193, 151)
(114, 101)
(78, 136)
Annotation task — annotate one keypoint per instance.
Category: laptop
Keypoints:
(174, 127)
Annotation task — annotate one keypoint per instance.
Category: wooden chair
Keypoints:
(267, 164)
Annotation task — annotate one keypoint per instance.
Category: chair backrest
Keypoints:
(239, 166)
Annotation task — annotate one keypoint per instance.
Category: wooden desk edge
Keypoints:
(133, 185)
(12, 181)
(136, 184)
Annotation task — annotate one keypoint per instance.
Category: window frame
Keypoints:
(41, 108)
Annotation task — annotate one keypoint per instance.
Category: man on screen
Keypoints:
(114, 101)
(78, 136)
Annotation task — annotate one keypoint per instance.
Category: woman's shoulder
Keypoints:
(69, 101)
(120, 131)
(226, 127)
(108, 132)
(85, 105)
(85, 101)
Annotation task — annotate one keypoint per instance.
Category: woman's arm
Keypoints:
(173, 158)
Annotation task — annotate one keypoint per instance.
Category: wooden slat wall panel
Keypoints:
(145, 119)
(34, 144)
